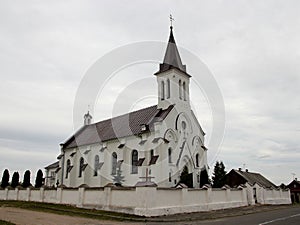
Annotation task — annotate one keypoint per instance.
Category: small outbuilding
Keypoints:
(260, 190)
(294, 187)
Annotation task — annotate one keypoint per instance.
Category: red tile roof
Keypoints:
(117, 127)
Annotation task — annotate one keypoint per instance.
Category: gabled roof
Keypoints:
(253, 178)
(117, 127)
(297, 182)
(52, 166)
(172, 58)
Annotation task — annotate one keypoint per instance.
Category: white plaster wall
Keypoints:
(146, 201)
(218, 196)
(23, 195)
(12, 194)
(50, 196)
(69, 196)
(35, 195)
(129, 199)
(94, 197)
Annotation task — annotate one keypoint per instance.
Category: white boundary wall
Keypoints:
(146, 201)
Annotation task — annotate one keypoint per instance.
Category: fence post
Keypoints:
(80, 196)
(17, 193)
(28, 194)
(42, 193)
(107, 197)
(59, 195)
(6, 194)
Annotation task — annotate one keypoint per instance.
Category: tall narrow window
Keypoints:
(197, 159)
(114, 163)
(134, 160)
(81, 162)
(170, 155)
(180, 90)
(184, 91)
(96, 165)
(162, 90)
(151, 153)
(168, 89)
(68, 168)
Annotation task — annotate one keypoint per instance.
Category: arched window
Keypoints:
(81, 163)
(168, 89)
(114, 160)
(96, 165)
(68, 168)
(180, 90)
(197, 159)
(170, 155)
(134, 160)
(184, 91)
(162, 90)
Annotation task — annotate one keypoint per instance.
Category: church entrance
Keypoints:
(186, 177)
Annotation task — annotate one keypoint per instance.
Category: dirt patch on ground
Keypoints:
(28, 217)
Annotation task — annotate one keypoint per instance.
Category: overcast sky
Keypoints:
(251, 47)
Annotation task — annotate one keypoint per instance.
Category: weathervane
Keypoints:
(171, 19)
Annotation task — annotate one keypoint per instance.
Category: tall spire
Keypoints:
(172, 58)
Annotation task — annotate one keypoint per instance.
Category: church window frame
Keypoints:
(162, 97)
(134, 161)
(114, 161)
(168, 88)
(180, 89)
(96, 165)
(197, 160)
(68, 164)
(151, 153)
(170, 155)
(81, 164)
(184, 90)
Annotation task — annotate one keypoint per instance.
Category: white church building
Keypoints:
(161, 145)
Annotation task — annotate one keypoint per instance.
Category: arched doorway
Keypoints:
(186, 177)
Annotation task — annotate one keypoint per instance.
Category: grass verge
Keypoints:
(71, 211)
(2, 222)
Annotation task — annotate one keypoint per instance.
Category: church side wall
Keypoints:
(145, 201)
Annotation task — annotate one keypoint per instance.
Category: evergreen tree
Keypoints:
(15, 180)
(219, 173)
(26, 179)
(39, 179)
(204, 178)
(118, 179)
(5, 179)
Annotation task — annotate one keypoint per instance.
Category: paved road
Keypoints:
(287, 216)
(281, 216)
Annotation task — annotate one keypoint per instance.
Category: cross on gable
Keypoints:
(147, 177)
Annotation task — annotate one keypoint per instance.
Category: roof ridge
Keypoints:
(125, 114)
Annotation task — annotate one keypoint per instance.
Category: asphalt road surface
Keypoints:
(288, 216)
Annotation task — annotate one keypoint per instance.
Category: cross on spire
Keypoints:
(171, 19)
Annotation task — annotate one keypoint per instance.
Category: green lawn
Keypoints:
(2, 222)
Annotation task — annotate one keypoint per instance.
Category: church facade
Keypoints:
(159, 145)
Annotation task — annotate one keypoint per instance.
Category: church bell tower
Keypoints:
(172, 78)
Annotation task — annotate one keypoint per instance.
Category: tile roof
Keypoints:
(253, 178)
(52, 166)
(117, 127)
